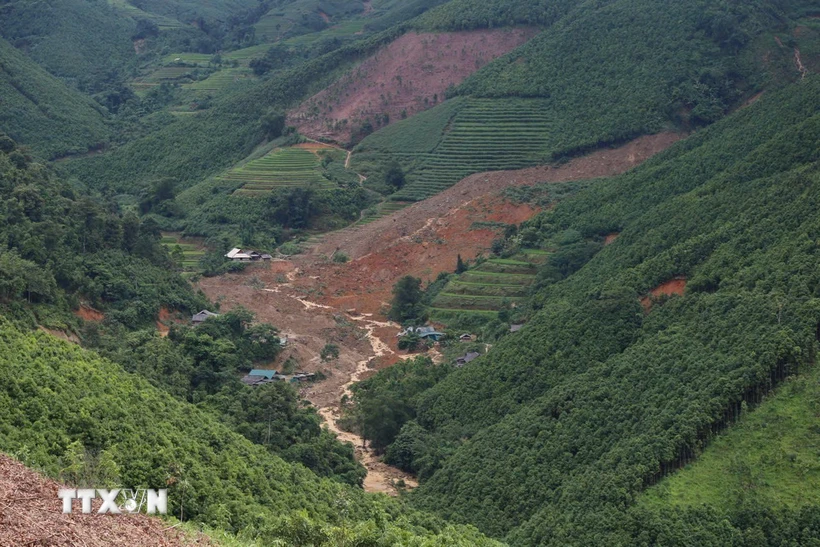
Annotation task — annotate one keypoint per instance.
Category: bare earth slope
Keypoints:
(409, 75)
(31, 514)
(425, 238)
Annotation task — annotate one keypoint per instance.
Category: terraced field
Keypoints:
(192, 251)
(485, 135)
(492, 285)
(281, 168)
(163, 23)
(382, 210)
(224, 79)
(165, 74)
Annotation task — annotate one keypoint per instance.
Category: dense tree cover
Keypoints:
(768, 458)
(58, 247)
(406, 306)
(64, 410)
(381, 405)
(41, 112)
(87, 43)
(550, 437)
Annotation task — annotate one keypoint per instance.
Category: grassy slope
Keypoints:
(54, 394)
(43, 113)
(770, 455)
(590, 399)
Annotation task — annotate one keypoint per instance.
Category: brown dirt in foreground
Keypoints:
(411, 74)
(31, 514)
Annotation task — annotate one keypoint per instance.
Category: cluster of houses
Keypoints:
(239, 255)
(259, 376)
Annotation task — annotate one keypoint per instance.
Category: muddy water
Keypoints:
(380, 476)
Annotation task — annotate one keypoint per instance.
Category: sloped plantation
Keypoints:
(63, 408)
(599, 74)
(548, 438)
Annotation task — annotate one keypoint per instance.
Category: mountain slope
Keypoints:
(86, 43)
(547, 439)
(41, 112)
(67, 411)
(600, 73)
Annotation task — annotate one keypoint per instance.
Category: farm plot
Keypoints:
(494, 284)
(466, 136)
(221, 80)
(281, 168)
(486, 135)
(188, 250)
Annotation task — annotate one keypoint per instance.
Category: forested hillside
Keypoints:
(41, 112)
(549, 438)
(69, 413)
(87, 43)
(599, 74)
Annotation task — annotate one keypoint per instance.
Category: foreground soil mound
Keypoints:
(31, 514)
(404, 78)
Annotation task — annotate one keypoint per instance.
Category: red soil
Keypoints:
(611, 238)
(31, 514)
(674, 286)
(399, 78)
(88, 313)
(164, 321)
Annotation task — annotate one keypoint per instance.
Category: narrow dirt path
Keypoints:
(797, 61)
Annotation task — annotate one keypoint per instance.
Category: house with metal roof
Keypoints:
(198, 318)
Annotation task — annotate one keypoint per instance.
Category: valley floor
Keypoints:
(315, 302)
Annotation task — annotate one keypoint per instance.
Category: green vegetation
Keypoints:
(406, 306)
(769, 457)
(563, 93)
(42, 113)
(187, 256)
(594, 399)
(281, 168)
(112, 427)
(87, 43)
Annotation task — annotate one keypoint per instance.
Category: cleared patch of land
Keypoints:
(408, 76)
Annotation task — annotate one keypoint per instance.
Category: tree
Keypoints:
(461, 267)
(394, 176)
(406, 303)
(273, 123)
(330, 351)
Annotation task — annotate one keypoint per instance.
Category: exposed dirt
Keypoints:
(365, 346)
(799, 63)
(88, 313)
(31, 514)
(164, 320)
(409, 75)
(314, 301)
(675, 286)
(610, 238)
(425, 238)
